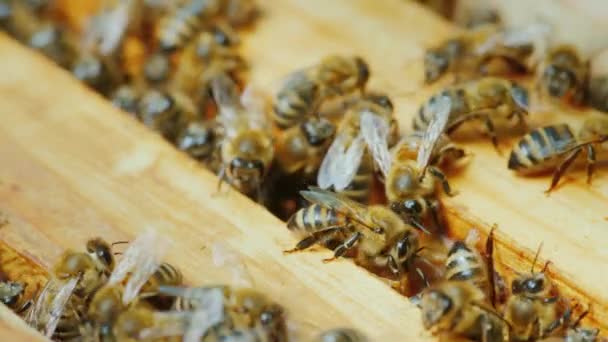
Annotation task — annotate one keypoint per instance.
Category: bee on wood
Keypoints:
(597, 92)
(300, 149)
(532, 310)
(459, 309)
(367, 129)
(303, 91)
(200, 139)
(101, 73)
(488, 99)
(563, 75)
(58, 309)
(245, 311)
(382, 239)
(464, 263)
(341, 335)
(246, 149)
(166, 112)
(556, 147)
(410, 192)
(477, 51)
(576, 333)
(11, 295)
(177, 28)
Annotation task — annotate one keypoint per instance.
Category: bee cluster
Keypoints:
(367, 191)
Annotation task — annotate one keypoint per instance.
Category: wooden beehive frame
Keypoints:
(72, 167)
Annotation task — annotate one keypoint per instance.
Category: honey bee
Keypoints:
(300, 149)
(201, 139)
(458, 309)
(166, 112)
(467, 264)
(244, 311)
(564, 75)
(488, 99)
(532, 310)
(575, 333)
(11, 295)
(341, 335)
(476, 51)
(381, 237)
(364, 134)
(597, 92)
(303, 91)
(556, 147)
(177, 28)
(409, 192)
(247, 147)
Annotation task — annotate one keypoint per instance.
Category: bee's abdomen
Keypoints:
(463, 264)
(315, 217)
(292, 107)
(360, 187)
(537, 150)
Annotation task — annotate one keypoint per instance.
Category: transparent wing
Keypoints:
(333, 157)
(255, 102)
(210, 313)
(58, 304)
(107, 29)
(227, 99)
(375, 131)
(140, 260)
(529, 34)
(335, 201)
(224, 257)
(472, 237)
(441, 113)
(344, 171)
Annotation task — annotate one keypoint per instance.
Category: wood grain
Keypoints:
(73, 167)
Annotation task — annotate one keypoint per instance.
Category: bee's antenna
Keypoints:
(119, 243)
(540, 246)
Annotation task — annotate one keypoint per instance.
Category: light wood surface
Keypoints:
(73, 167)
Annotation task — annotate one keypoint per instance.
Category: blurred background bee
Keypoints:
(304, 91)
(456, 309)
(597, 92)
(11, 295)
(485, 51)
(365, 132)
(563, 75)
(488, 99)
(556, 148)
(247, 148)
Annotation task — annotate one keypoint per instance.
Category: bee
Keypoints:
(488, 99)
(244, 310)
(200, 139)
(101, 73)
(246, 149)
(166, 112)
(303, 91)
(58, 309)
(381, 237)
(556, 147)
(11, 295)
(300, 149)
(458, 309)
(365, 131)
(177, 28)
(597, 92)
(532, 310)
(575, 333)
(409, 191)
(564, 75)
(476, 51)
(341, 335)
(467, 264)
(126, 97)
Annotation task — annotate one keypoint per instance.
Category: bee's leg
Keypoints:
(312, 239)
(24, 307)
(559, 322)
(345, 246)
(434, 208)
(492, 132)
(562, 168)
(490, 266)
(221, 177)
(435, 172)
(590, 162)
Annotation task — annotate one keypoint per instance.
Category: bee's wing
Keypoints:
(227, 99)
(333, 157)
(335, 201)
(528, 34)
(345, 171)
(375, 131)
(441, 114)
(107, 29)
(224, 257)
(58, 303)
(36, 312)
(140, 260)
(255, 101)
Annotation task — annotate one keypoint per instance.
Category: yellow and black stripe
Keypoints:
(297, 100)
(360, 187)
(539, 149)
(178, 28)
(463, 264)
(165, 275)
(426, 112)
(315, 217)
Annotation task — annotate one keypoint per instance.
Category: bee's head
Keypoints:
(559, 81)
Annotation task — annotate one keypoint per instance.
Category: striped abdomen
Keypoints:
(298, 99)
(539, 150)
(178, 28)
(426, 112)
(315, 217)
(360, 187)
(464, 264)
(166, 275)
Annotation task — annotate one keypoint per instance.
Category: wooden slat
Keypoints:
(13, 328)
